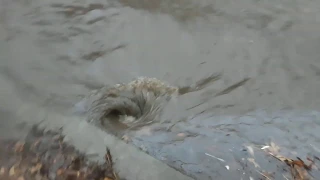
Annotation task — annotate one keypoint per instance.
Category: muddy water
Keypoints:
(54, 53)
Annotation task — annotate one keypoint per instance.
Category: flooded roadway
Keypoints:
(54, 53)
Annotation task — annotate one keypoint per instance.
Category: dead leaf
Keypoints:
(35, 144)
(299, 173)
(299, 170)
(108, 157)
(59, 172)
(281, 158)
(20, 178)
(35, 168)
(2, 171)
(18, 147)
(12, 171)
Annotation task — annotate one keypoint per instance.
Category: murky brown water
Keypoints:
(55, 53)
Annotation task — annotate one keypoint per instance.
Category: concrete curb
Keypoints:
(131, 163)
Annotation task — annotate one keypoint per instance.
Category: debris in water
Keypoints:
(268, 176)
(265, 147)
(222, 160)
(298, 168)
(44, 156)
(253, 162)
(126, 138)
(232, 87)
(250, 149)
(71, 11)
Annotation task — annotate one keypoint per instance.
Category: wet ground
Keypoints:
(54, 53)
(45, 155)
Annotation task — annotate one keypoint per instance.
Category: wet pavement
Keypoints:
(216, 147)
(55, 53)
